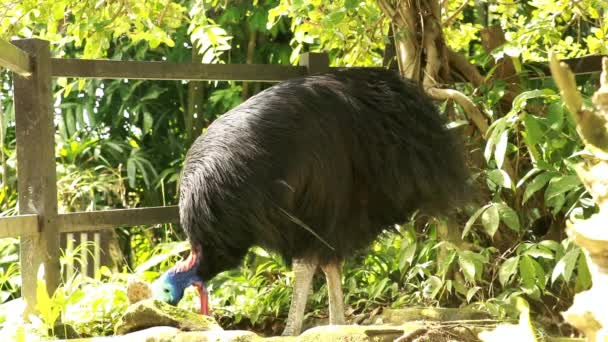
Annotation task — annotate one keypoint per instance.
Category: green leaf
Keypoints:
(527, 272)
(468, 268)
(49, 311)
(496, 130)
(131, 172)
(520, 100)
(335, 17)
(536, 184)
(407, 255)
(539, 274)
(583, 276)
(555, 116)
(490, 220)
(379, 288)
(148, 122)
(507, 270)
(351, 4)
(560, 185)
(70, 122)
(501, 148)
(472, 220)
(565, 266)
(431, 288)
(445, 264)
(539, 252)
(527, 176)
(534, 132)
(469, 263)
(508, 216)
(552, 245)
(472, 291)
(501, 178)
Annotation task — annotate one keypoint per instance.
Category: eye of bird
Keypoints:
(166, 290)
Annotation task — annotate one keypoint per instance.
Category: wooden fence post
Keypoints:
(316, 63)
(36, 170)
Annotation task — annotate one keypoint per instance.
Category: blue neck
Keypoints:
(184, 273)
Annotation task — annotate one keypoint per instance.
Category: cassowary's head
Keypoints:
(170, 286)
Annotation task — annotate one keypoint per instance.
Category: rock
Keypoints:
(155, 334)
(355, 333)
(400, 316)
(337, 333)
(213, 336)
(151, 313)
(138, 290)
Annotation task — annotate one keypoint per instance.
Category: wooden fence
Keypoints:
(39, 225)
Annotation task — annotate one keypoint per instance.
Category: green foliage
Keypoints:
(568, 30)
(92, 26)
(353, 33)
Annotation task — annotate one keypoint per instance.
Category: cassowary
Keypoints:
(313, 168)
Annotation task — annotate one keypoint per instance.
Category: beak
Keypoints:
(204, 297)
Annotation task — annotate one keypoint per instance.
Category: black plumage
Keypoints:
(317, 167)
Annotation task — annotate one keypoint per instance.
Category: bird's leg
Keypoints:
(333, 276)
(303, 270)
(204, 298)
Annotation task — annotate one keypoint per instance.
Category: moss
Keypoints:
(151, 313)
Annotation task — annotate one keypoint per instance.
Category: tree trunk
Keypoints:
(250, 53)
(423, 56)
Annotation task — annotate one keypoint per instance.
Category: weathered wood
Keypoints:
(105, 219)
(172, 71)
(21, 225)
(36, 172)
(579, 66)
(315, 63)
(14, 59)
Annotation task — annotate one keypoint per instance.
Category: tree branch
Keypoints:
(465, 68)
(469, 107)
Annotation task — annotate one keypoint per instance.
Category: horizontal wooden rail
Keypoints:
(579, 66)
(20, 225)
(14, 59)
(88, 68)
(104, 219)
